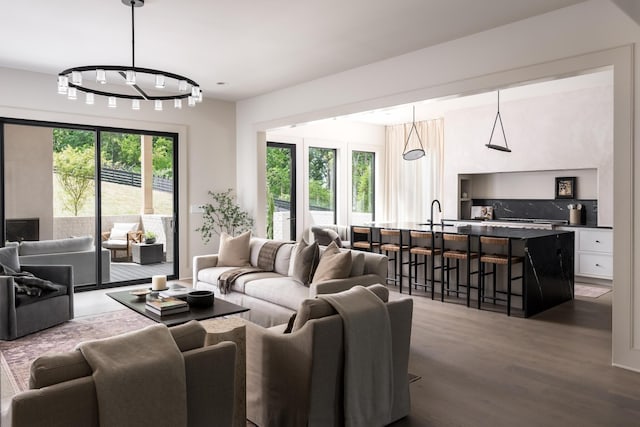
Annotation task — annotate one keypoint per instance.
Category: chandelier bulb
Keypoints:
(177, 103)
(72, 93)
(135, 104)
(131, 77)
(182, 86)
(158, 105)
(76, 78)
(89, 98)
(191, 101)
(159, 81)
(112, 103)
(101, 76)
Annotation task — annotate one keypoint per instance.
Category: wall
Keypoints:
(588, 35)
(569, 130)
(25, 158)
(206, 133)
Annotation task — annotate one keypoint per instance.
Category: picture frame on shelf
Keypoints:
(566, 187)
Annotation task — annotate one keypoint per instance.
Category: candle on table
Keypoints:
(158, 282)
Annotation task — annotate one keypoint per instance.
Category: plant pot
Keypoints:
(150, 241)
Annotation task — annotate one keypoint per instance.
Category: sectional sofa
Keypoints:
(273, 296)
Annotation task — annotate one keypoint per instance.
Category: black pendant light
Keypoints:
(413, 151)
(494, 146)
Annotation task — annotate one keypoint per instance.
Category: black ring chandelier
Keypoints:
(107, 80)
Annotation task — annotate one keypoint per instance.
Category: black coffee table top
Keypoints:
(220, 308)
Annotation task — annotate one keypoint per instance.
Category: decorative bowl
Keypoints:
(140, 293)
(200, 298)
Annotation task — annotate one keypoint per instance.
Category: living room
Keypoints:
(222, 142)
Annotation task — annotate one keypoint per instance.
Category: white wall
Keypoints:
(206, 140)
(25, 164)
(556, 44)
(569, 130)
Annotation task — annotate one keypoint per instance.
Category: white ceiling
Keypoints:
(254, 46)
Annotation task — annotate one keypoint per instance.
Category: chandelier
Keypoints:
(491, 145)
(413, 148)
(129, 83)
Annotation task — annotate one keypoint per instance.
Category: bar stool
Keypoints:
(458, 255)
(499, 259)
(362, 239)
(391, 241)
(421, 243)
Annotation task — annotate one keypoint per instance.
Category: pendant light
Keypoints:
(494, 146)
(413, 150)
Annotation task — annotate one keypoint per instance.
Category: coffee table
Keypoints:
(220, 308)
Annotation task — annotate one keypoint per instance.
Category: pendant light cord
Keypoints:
(133, 36)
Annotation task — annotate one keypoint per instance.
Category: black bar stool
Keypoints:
(457, 255)
(496, 259)
(421, 243)
(362, 239)
(391, 241)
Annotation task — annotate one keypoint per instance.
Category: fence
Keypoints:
(133, 179)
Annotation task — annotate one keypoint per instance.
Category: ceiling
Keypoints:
(254, 47)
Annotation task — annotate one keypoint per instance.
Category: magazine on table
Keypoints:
(176, 291)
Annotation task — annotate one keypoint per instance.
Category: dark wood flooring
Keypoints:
(482, 368)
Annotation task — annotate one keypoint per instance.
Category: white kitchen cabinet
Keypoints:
(593, 252)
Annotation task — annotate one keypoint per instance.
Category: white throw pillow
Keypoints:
(121, 229)
(234, 251)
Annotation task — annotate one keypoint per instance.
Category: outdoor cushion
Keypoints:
(120, 230)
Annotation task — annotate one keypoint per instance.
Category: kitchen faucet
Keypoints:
(439, 210)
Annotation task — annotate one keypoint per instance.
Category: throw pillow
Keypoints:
(357, 263)
(234, 251)
(9, 258)
(304, 261)
(120, 230)
(333, 264)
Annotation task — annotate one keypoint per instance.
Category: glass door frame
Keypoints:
(98, 199)
(293, 202)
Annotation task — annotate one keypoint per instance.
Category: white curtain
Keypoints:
(411, 185)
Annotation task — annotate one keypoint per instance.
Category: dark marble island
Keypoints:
(548, 267)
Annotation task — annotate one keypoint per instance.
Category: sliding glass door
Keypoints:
(281, 191)
(50, 193)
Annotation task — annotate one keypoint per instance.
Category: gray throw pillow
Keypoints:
(9, 258)
(333, 264)
(304, 261)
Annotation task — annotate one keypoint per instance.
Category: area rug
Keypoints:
(16, 356)
(590, 291)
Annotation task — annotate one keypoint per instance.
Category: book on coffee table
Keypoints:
(176, 290)
(164, 306)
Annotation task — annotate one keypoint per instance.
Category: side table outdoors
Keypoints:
(146, 253)
(232, 329)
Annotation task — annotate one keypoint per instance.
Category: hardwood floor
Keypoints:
(481, 368)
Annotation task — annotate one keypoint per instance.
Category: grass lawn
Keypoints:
(117, 199)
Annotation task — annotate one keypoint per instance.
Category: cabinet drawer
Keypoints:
(595, 265)
(596, 241)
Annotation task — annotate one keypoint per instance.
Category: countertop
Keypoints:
(472, 230)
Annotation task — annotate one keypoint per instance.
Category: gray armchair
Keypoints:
(25, 319)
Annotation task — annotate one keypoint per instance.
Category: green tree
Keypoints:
(321, 177)
(72, 137)
(75, 170)
(362, 176)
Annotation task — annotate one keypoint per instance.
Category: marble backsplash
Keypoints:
(556, 209)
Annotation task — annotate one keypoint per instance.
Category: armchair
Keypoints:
(42, 313)
(296, 378)
(120, 238)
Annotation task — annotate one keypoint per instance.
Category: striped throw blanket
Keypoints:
(266, 262)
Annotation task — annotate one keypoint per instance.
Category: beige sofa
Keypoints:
(273, 297)
(295, 379)
(63, 393)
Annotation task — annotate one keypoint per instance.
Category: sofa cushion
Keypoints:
(333, 264)
(318, 308)
(52, 369)
(72, 244)
(284, 291)
(234, 251)
(9, 258)
(210, 275)
(357, 263)
(283, 256)
(304, 261)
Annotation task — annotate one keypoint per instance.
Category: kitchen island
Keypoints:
(548, 266)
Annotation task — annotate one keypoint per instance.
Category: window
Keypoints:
(322, 185)
(362, 187)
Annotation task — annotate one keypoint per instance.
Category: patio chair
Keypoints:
(120, 238)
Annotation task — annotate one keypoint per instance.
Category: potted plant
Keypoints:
(149, 237)
(223, 214)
